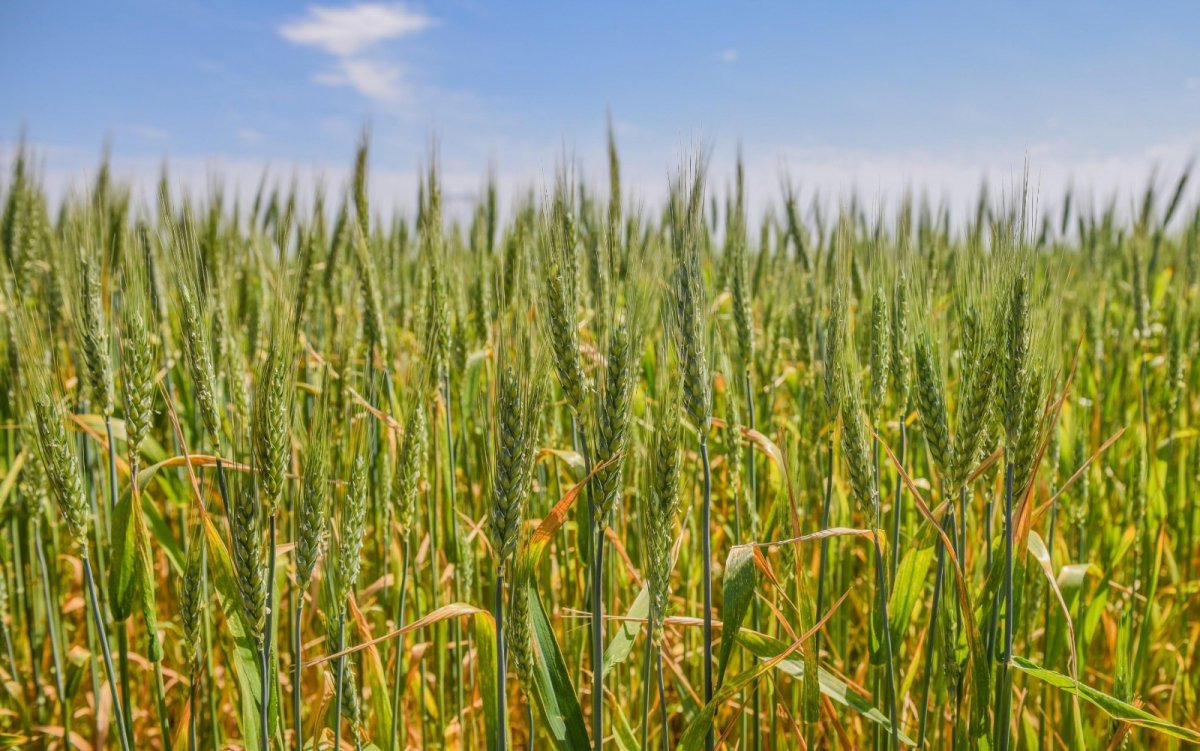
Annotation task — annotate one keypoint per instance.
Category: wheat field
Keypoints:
(588, 473)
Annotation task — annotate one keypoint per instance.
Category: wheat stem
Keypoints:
(101, 633)
(160, 701)
(931, 639)
(1004, 684)
(898, 500)
(597, 588)
(398, 678)
(823, 559)
(662, 698)
(340, 673)
(501, 665)
(192, 719)
(706, 535)
(268, 632)
(52, 609)
(297, 670)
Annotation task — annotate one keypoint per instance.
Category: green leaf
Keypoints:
(694, 734)
(571, 458)
(1041, 554)
(162, 534)
(144, 577)
(622, 731)
(1111, 706)
(372, 668)
(485, 651)
(1095, 611)
(10, 478)
(737, 587)
(122, 582)
(810, 694)
(245, 654)
(909, 585)
(621, 645)
(553, 689)
(768, 648)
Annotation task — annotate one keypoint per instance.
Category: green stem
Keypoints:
(579, 445)
(435, 533)
(451, 486)
(102, 635)
(881, 586)
(160, 701)
(662, 699)
(597, 636)
(210, 695)
(268, 635)
(647, 680)
(22, 552)
(297, 667)
(398, 679)
(897, 502)
(222, 488)
(206, 618)
(52, 610)
(824, 555)
(121, 628)
(595, 588)
(8, 648)
(501, 667)
(94, 671)
(706, 535)
(112, 463)
(529, 722)
(1003, 683)
(931, 639)
(192, 720)
(340, 674)
(756, 691)
(421, 702)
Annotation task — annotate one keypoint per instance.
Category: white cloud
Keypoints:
(350, 35)
(1191, 84)
(347, 31)
(729, 55)
(249, 135)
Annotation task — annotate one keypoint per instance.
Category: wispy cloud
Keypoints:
(249, 135)
(378, 80)
(352, 35)
(729, 55)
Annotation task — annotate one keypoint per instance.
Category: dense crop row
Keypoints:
(597, 475)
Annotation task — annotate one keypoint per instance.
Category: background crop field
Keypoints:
(564, 377)
(590, 474)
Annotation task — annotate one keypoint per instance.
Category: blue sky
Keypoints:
(870, 96)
